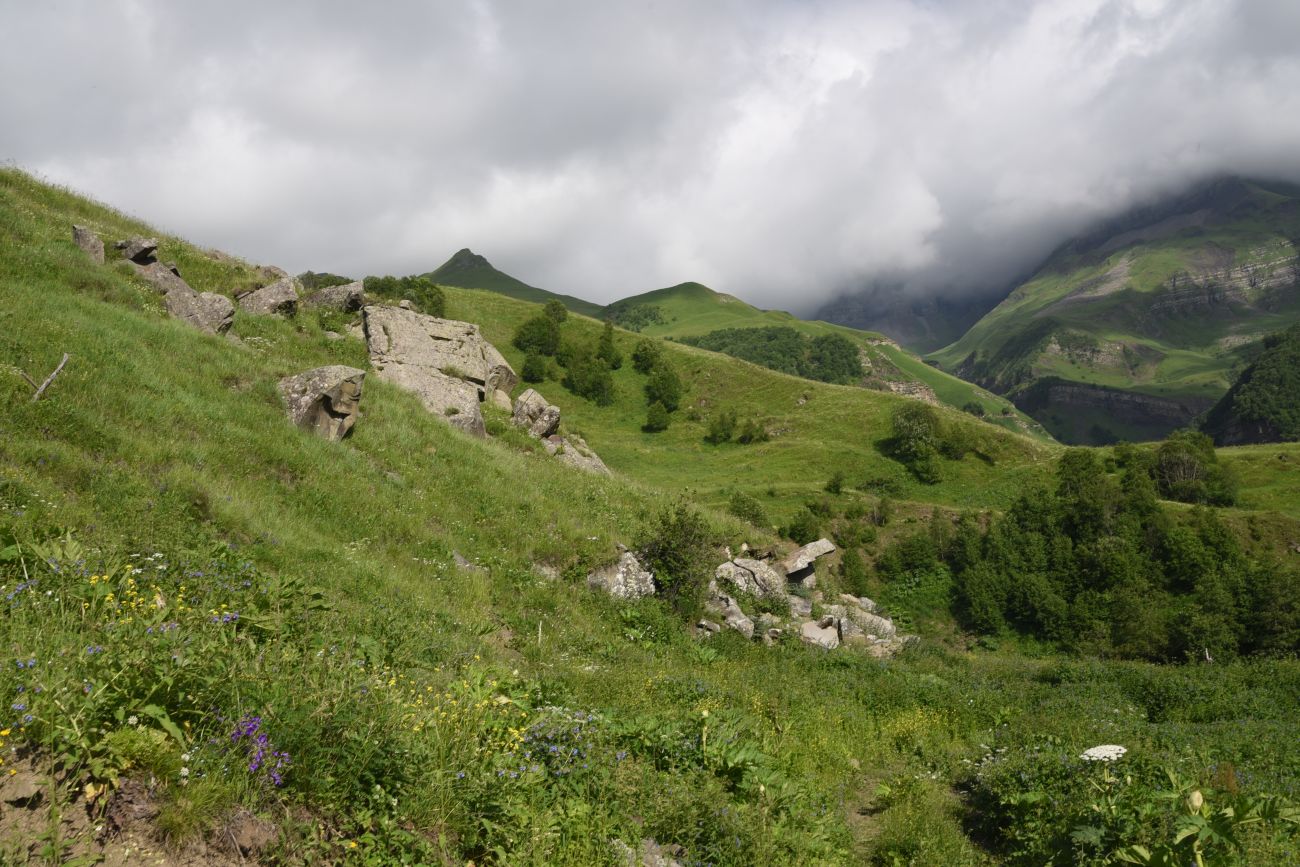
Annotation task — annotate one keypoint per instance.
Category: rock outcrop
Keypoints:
(324, 400)
(161, 277)
(532, 412)
(753, 577)
(347, 298)
(206, 311)
(446, 363)
(142, 251)
(728, 610)
(624, 579)
(573, 450)
(89, 243)
(278, 299)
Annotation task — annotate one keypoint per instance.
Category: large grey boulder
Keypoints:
(768, 582)
(162, 278)
(821, 633)
(405, 337)
(278, 299)
(138, 250)
(871, 624)
(624, 579)
(446, 397)
(206, 311)
(799, 565)
(89, 243)
(324, 400)
(347, 298)
(532, 411)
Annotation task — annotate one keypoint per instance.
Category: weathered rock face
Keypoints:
(278, 299)
(206, 311)
(753, 577)
(803, 559)
(347, 298)
(625, 579)
(161, 277)
(324, 400)
(139, 250)
(89, 243)
(531, 411)
(501, 400)
(446, 363)
(725, 607)
(404, 337)
(819, 635)
(574, 451)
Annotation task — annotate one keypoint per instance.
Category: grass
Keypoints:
(410, 705)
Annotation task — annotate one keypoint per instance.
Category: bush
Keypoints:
(555, 311)
(853, 573)
(420, 291)
(835, 484)
(804, 528)
(656, 418)
(588, 377)
(607, 350)
(664, 386)
(753, 432)
(539, 336)
(646, 355)
(678, 550)
(975, 408)
(1187, 469)
(534, 369)
(721, 428)
(746, 508)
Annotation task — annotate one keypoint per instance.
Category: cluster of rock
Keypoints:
(206, 311)
(788, 586)
(541, 419)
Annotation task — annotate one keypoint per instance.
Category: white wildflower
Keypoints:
(1104, 753)
(133, 720)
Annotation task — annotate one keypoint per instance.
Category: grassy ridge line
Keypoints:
(474, 272)
(834, 428)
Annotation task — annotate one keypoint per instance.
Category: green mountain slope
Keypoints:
(468, 269)
(692, 310)
(1263, 405)
(1136, 329)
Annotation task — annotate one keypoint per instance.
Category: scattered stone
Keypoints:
(532, 411)
(139, 250)
(206, 311)
(334, 335)
(574, 451)
(800, 607)
(405, 304)
(649, 854)
(21, 790)
(271, 272)
(858, 602)
(501, 400)
(89, 243)
(546, 571)
(466, 566)
(871, 624)
(278, 299)
(814, 633)
(347, 298)
(324, 400)
(624, 579)
(732, 616)
(706, 628)
(773, 636)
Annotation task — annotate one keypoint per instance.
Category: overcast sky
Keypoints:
(781, 151)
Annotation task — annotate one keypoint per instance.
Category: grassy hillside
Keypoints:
(219, 615)
(467, 268)
(1164, 306)
(694, 310)
(1263, 405)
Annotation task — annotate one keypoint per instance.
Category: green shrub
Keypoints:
(539, 335)
(607, 350)
(656, 419)
(678, 549)
(588, 377)
(424, 296)
(721, 427)
(534, 369)
(747, 508)
(805, 527)
(555, 311)
(664, 386)
(646, 355)
(835, 484)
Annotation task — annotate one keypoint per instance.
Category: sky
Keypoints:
(784, 151)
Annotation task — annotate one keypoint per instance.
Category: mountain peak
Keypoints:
(463, 260)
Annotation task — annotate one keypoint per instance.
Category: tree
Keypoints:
(664, 386)
(607, 349)
(916, 431)
(555, 311)
(539, 335)
(677, 549)
(656, 418)
(721, 428)
(747, 508)
(588, 377)
(534, 368)
(646, 355)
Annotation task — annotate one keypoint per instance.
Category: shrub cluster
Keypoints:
(825, 358)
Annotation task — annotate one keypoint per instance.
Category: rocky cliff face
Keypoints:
(1095, 415)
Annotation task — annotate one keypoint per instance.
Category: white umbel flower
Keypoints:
(1104, 753)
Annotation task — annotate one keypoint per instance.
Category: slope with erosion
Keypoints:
(467, 268)
(1135, 330)
(405, 693)
(691, 310)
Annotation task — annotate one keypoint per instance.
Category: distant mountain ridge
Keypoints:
(469, 270)
(1135, 328)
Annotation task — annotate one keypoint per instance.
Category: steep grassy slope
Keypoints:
(693, 310)
(1263, 405)
(1134, 331)
(414, 703)
(467, 268)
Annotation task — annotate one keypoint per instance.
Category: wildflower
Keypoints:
(1103, 753)
(133, 720)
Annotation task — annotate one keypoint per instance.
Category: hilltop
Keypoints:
(1138, 327)
(472, 271)
(231, 638)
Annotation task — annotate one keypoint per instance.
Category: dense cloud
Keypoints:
(781, 151)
